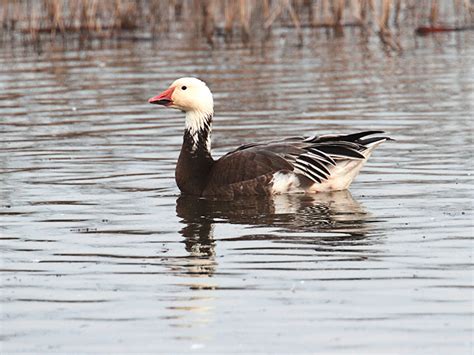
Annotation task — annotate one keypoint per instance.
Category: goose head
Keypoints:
(188, 95)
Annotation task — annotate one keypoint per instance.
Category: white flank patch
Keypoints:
(341, 177)
(285, 183)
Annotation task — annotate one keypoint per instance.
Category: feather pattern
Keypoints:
(314, 158)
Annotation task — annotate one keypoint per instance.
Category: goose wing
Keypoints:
(252, 166)
(250, 162)
(323, 153)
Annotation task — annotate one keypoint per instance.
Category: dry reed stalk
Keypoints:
(309, 8)
(266, 5)
(7, 20)
(274, 13)
(117, 14)
(325, 12)
(278, 10)
(385, 34)
(295, 20)
(434, 12)
(364, 5)
(266, 8)
(87, 19)
(229, 16)
(469, 6)
(362, 16)
(355, 6)
(252, 17)
(55, 11)
(244, 8)
(385, 14)
(337, 11)
(208, 19)
(73, 11)
(396, 16)
(35, 22)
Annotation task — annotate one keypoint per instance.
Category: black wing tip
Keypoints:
(352, 137)
(369, 132)
(338, 150)
(363, 137)
(361, 134)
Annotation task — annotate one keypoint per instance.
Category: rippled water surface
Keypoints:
(100, 253)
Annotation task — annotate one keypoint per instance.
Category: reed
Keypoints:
(213, 18)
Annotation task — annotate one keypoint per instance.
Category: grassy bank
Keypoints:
(245, 19)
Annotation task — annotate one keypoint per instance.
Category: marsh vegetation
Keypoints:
(246, 20)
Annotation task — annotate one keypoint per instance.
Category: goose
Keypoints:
(292, 165)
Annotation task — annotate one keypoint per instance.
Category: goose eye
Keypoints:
(183, 87)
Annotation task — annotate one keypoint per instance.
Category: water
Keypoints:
(100, 253)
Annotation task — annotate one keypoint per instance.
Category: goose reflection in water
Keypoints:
(327, 221)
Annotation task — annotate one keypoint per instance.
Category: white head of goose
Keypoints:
(291, 165)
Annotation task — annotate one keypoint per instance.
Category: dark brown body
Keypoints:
(250, 169)
(235, 174)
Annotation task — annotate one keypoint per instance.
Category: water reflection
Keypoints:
(87, 195)
(326, 219)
